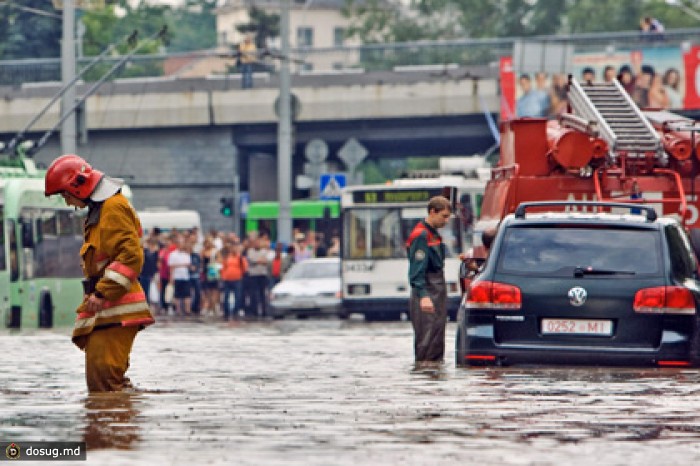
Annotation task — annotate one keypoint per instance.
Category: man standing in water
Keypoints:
(114, 306)
(428, 308)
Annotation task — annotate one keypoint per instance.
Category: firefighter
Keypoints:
(428, 306)
(114, 306)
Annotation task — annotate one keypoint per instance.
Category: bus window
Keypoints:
(54, 250)
(14, 248)
(3, 261)
(70, 239)
(373, 234)
(451, 233)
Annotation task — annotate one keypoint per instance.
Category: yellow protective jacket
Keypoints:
(112, 256)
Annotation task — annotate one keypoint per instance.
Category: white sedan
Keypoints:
(311, 287)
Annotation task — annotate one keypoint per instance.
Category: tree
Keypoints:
(25, 34)
(193, 26)
(603, 15)
(381, 21)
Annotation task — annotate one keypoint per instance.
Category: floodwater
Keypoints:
(330, 392)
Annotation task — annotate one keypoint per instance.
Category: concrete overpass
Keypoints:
(181, 142)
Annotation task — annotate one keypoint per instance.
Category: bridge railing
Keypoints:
(368, 57)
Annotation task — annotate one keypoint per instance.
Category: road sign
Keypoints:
(304, 182)
(243, 203)
(352, 153)
(316, 150)
(331, 184)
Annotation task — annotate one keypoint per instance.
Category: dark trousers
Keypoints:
(258, 293)
(146, 285)
(429, 327)
(163, 284)
(247, 75)
(234, 287)
(196, 290)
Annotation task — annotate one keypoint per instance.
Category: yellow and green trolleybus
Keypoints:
(315, 215)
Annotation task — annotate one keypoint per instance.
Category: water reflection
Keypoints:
(343, 393)
(111, 420)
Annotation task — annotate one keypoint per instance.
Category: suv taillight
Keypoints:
(664, 300)
(493, 295)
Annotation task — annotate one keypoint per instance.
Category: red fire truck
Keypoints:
(604, 148)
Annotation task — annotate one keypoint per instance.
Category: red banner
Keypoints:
(507, 75)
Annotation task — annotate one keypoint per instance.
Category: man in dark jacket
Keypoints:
(428, 308)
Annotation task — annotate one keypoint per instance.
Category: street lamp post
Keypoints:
(68, 127)
(284, 134)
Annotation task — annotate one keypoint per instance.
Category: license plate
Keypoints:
(301, 304)
(576, 327)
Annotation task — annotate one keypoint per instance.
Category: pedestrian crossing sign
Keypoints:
(331, 184)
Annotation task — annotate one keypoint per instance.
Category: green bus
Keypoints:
(40, 240)
(315, 215)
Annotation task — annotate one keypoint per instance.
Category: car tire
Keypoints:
(383, 316)
(460, 347)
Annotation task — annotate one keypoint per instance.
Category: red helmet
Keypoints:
(70, 173)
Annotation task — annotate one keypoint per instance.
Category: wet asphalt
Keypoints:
(334, 392)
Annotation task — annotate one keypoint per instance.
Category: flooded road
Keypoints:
(329, 392)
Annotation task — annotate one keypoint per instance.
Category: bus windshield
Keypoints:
(381, 233)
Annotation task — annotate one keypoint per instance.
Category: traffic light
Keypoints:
(226, 206)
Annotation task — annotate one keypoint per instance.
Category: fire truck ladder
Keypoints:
(628, 133)
(621, 124)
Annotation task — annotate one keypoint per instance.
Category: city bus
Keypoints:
(377, 220)
(316, 215)
(166, 219)
(40, 240)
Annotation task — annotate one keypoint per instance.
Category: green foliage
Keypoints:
(604, 15)
(24, 34)
(193, 26)
(371, 172)
(378, 21)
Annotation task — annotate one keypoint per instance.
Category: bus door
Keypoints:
(5, 254)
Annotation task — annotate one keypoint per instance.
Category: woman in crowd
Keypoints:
(232, 272)
(672, 86)
(211, 267)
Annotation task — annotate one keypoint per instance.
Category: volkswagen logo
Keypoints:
(577, 296)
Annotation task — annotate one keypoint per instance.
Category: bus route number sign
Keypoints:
(386, 196)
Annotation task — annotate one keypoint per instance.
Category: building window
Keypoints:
(305, 37)
(338, 36)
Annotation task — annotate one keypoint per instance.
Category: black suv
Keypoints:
(583, 288)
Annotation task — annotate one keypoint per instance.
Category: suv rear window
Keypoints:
(559, 250)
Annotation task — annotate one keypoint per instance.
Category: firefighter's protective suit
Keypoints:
(112, 258)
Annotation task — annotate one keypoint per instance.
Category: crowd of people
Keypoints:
(186, 273)
(648, 87)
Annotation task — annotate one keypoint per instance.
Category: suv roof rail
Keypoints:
(648, 210)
